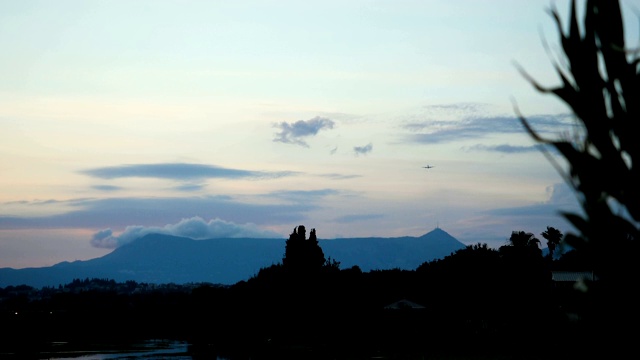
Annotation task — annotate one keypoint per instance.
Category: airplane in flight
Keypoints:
(427, 167)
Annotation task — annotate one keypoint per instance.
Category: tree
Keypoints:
(521, 239)
(302, 254)
(553, 237)
(522, 255)
(601, 86)
(525, 280)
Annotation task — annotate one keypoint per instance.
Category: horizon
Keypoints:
(229, 119)
(168, 258)
(542, 245)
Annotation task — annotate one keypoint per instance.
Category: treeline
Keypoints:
(476, 300)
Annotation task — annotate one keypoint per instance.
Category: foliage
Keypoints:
(332, 264)
(523, 239)
(553, 237)
(523, 249)
(601, 85)
(302, 254)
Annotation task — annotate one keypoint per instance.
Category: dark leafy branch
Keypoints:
(601, 86)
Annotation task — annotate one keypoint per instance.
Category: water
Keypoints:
(149, 349)
(178, 350)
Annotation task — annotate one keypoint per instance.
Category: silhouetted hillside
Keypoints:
(159, 258)
(406, 253)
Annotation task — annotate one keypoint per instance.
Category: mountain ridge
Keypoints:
(161, 258)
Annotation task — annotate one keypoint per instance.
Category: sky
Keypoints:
(248, 118)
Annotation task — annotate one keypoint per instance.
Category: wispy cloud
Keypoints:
(437, 131)
(179, 171)
(301, 196)
(504, 148)
(462, 107)
(357, 218)
(294, 133)
(195, 228)
(336, 176)
(190, 187)
(363, 150)
(106, 187)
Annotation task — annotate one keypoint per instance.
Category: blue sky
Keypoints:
(248, 118)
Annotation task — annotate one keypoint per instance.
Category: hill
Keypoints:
(161, 259)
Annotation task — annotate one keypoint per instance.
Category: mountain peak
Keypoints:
(437, 231)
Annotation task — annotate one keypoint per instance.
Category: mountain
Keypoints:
(162, 259)
(405, 253)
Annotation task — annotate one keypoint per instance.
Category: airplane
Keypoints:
(427, 167)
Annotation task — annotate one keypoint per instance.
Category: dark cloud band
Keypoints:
(438, 132)
(179, 171)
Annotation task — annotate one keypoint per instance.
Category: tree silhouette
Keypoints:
(526, 283)
(522, 239)
(553, 237)
(303, 255)
(522, 254)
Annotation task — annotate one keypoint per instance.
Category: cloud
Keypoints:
(106, 187)
(437, 132)
(303, 196)
(505, 148)
(194, 228)
(104, 239)
(357, 218)
(561, 194)
(190, 187)
(337, 176)
(178, 171)
(486, 224)
(363, 150)
(121, 212)
(560, 198)
(293, 133)
(462, 108)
